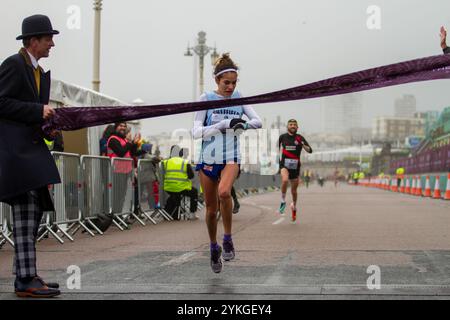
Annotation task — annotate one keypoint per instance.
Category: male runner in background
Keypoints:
(291, 145)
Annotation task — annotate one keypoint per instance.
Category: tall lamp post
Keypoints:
(201, 50)
(97, 23)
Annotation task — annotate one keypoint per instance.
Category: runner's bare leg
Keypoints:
(209, 187)
(294, 186)
(227, 178)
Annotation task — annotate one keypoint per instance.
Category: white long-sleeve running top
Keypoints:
(210, 126)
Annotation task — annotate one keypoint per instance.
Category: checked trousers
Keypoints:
(27, 215)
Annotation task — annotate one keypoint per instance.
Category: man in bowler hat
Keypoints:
(26, 165)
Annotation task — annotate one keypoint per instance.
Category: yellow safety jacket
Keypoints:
(49, 144)
(175, 175)
(400, 173)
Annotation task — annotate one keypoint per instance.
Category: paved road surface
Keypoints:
(340, 233)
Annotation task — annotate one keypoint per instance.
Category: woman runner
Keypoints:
(218, 168)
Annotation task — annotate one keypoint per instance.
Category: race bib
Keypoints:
(291, 164)
(216, 118)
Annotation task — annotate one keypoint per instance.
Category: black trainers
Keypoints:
(228, 250)
(216, 260)
(236, 207)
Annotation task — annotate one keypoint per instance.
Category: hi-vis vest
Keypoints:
(50, 144)
(120, 166)
(400, 173)
(175, 175)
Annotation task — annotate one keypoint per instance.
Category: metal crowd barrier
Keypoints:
(66, 195)
(162, 194)
(6, 224)
(95, 189)
(92, 186)
(196, 184)
(184, 210)
(47, 225)
(242, 184)
(146, 177)
(249, 183)
(122, 192)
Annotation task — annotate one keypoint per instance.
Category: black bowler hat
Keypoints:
(36, 25)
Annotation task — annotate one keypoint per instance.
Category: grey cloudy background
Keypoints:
(277, 43)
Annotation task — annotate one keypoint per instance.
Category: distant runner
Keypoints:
(291, 145)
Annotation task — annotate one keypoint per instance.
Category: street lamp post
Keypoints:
(201, 50)
(97, 23)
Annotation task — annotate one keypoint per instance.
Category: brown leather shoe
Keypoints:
(53, 285)
(34, 289)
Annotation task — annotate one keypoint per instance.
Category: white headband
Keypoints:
(225, 71)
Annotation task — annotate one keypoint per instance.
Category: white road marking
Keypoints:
(278, 221)
(179, 260)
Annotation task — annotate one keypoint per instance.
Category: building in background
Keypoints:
(359, 136)
(430, 119)
(433, 153)
(393, 129)
(405, 107)
(278, 124)
(343, 113)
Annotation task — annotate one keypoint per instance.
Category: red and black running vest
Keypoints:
(291, 148)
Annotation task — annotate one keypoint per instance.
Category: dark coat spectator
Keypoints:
(25, 161)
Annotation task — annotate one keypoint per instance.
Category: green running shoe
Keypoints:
(282, 208)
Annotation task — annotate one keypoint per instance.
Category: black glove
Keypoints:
(234, 122)
(238, 124)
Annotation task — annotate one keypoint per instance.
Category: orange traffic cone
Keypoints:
(408, 187)
(394, 187)
(402, 186)
(427, 188)
(413, 189)
(437, 189)
(447, 192)
(419, 186)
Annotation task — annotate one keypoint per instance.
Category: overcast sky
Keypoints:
(277, 44)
